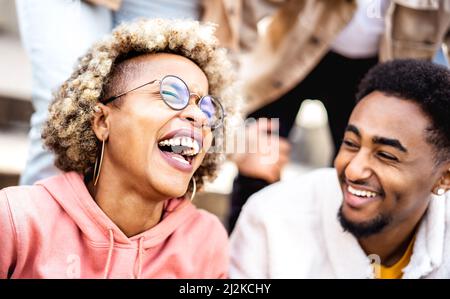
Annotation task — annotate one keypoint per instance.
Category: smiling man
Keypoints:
(383, 211)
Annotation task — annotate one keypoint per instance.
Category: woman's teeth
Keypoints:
(361, 193)
(191, 145)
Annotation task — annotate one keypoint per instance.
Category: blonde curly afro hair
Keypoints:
(68, 131)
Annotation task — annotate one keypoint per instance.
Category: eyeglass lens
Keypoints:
(176, 95)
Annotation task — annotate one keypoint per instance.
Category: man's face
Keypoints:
(385, 166)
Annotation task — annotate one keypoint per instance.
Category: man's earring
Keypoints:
(97, 109)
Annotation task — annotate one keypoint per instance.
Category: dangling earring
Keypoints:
(98, 166)
(194, 189)
(440, 191)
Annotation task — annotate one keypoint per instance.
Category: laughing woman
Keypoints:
(132, 131)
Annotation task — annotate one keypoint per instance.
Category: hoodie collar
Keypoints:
(73, 196)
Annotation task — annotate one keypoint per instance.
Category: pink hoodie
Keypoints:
(54, 229)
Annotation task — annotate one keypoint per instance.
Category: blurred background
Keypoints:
(15, 97)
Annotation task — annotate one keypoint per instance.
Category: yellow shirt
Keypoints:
(395, 271)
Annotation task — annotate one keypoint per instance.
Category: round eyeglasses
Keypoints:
(175, 93)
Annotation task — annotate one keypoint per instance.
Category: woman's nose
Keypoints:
(194, 114)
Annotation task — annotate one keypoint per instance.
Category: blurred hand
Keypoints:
(266, 152)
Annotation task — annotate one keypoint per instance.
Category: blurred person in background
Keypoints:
(383, 211)
(294, 50)
(131, 130)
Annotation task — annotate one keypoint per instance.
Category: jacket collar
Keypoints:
(347, 258)
(429, 245)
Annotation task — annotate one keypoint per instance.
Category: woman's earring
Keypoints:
(194, 189)
(440, 191)
(98, 166)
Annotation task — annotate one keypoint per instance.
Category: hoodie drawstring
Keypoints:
(110, 251)
(139, 260)
(137, 273)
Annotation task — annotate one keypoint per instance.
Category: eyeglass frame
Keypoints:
(110, 99)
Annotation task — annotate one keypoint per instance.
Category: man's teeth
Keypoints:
(192, 145)
(361, 193)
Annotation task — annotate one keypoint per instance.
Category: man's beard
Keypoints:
(363, 229)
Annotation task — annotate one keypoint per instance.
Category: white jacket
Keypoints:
(291, 230)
